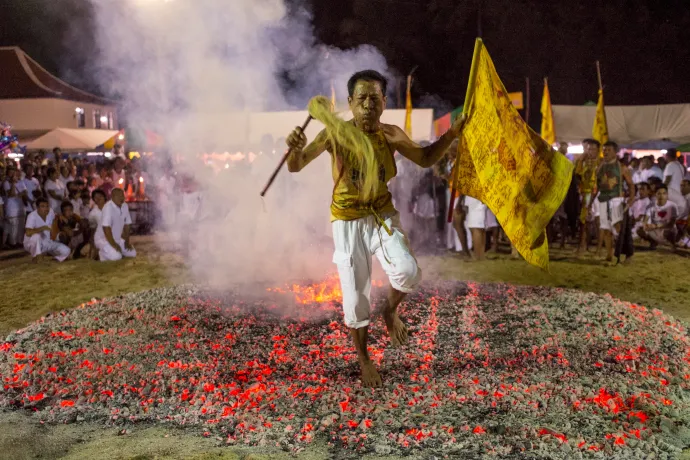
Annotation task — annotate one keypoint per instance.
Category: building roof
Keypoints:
(23, 78)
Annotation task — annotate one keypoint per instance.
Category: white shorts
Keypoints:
(490, 221)
(476, 213)
(611, 213)
(356, 241)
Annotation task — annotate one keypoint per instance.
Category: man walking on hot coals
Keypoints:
(366, 227)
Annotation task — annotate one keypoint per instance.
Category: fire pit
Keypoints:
(490, 369)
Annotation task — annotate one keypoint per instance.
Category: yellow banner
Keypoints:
(408, 107)
(600, 130)
(548, 131)
(506, 165)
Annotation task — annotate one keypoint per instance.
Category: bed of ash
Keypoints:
(494, 370)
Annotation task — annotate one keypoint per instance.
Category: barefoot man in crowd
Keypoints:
(362, 229)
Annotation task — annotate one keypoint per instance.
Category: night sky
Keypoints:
(643, 45)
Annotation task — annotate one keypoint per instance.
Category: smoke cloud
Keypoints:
(197, 72)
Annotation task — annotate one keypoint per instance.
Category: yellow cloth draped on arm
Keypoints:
(506, 165)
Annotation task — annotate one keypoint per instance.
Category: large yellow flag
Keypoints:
(408, 107)
(548, 131)
(506, 165)
(600, 130)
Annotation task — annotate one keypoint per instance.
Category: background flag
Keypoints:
(506, 165)
(548, 131)
(408, 107)
(600, 130)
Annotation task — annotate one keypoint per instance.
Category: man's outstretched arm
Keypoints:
(427, 156)
(301, 156)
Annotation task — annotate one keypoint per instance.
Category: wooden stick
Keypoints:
(282, 161)
(471, 83)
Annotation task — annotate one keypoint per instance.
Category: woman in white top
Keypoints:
(55, 190)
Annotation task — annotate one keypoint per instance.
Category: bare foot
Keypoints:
(397, 330)
(370, 376)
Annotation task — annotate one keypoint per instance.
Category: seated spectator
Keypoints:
(69, 229)
(37, 237)
(112, 236)
(660, 221)
(55, 190)
(683, 221)
(99, 200)
(84, 205)
(639, 207)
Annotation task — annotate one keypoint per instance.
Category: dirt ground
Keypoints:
(28, 291)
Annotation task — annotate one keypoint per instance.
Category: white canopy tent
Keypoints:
(628, 125)
(72, 139)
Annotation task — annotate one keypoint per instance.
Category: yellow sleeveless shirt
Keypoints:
(346, 203)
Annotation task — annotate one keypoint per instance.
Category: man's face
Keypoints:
(591, 150)
(99, 200)
(685, 187)
(646, 164)
(43, 209)
(119, 164)
(29, 172)
(644, 191)
(68, 212)
(64, 171)
(118, 197)
(367, 104)
(609, 153)
(661, 196)
(563, 148)
(11, 174)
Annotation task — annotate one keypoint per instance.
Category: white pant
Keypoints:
(106, 253)
(14, 229)
(476, 213)
(452, 239)
(610, 213)
(355, 242)
(39, 244)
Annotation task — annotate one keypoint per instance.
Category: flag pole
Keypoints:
(471, 83)
(599, 76)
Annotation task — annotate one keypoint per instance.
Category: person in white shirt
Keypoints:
(95, 215)
(32, 186)
(55, 190)
(674, 171)
(65, 175)
(639, 207)
(649, 169)
(37, 237)
(15, 208)
(476, 222)
(119, 176)
(112, 236)
(660, 221)
(635, 170)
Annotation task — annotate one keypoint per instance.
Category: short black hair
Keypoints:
(51, 171)
(40, 200)
(611, 144)
(98, 191)
(661, 187)
(643, 184)
(66, 204)
(592, 141)
(672, 153)
(366, 75)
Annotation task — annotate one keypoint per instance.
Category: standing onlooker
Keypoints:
(660, 221)
(15, 208)
(112, 236)
(119, 175)
(55, 190)
(33, 187)
(586, 170)
(684, 227)
(674, 171)
(65, 174)
(649, 169)
(611, 199)
(37, 238)
(476, 222)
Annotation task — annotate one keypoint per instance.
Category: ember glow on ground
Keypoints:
(490, 369)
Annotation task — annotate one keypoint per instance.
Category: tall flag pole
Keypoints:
(408, 107)
(600, 130)
(333, 106)
(548, 130)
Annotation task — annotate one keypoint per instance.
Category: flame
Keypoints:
(141, 179)
(326, 291)
(121, 181)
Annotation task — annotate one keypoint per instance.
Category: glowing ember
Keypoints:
(490, 371)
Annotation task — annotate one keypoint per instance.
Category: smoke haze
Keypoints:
(194, 71)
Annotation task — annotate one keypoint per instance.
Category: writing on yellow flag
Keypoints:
(506, 165)
(600, 130)
(548, 131)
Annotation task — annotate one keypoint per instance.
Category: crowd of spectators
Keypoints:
(68, 208)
